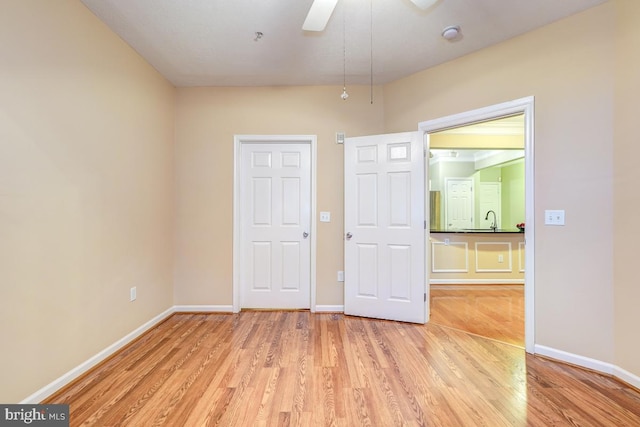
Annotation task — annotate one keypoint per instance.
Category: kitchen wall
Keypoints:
(513, 202)
(512, 191)
(86, 191)
(438, 171)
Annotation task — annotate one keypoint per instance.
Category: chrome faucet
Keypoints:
(494, 224)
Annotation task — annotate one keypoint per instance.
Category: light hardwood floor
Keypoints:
(297, 368)
(492, 311)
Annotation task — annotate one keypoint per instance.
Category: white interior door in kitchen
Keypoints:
(275, 226)
(385, 227)
(459, 207)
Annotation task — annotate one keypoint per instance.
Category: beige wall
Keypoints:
(569, 67)
(626, 179)
(207, 120)
(86, 185)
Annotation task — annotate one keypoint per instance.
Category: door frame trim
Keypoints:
(519, 106)
(238, 140)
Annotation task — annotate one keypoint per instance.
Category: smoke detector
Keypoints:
(451, 33)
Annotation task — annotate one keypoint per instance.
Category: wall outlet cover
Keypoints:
(554, 217)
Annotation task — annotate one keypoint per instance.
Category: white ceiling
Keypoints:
(211, 42)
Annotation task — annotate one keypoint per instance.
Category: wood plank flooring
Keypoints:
(492, 311)
(286, 368)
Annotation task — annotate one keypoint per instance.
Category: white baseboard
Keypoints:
(67, 378)
(593, 364)
(476, 281)
(329, 309)
(574, 359)
(203, 309)
(627, 377)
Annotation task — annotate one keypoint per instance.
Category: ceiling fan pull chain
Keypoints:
(371, 51)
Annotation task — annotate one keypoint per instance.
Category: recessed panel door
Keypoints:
(275, 225)
(384, 227)
(459, 208)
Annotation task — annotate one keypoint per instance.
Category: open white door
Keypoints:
(385, 227)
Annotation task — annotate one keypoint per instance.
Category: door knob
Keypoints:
(305, 234)
(349, 236)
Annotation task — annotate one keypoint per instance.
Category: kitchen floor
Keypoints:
(491, 311)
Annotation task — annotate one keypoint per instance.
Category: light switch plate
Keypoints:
(325, 216)
(554, 217)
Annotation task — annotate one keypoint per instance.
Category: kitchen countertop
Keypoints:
(479, 230)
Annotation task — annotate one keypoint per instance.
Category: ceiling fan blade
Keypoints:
(423, 4)
(319, 15)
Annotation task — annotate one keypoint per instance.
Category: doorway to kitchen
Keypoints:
(478, 279)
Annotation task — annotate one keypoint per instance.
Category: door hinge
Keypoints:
(425, 297)
(425, 224)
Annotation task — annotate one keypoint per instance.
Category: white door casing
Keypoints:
(384, 227)
(273, 245)
(519, 106)
(459, 206)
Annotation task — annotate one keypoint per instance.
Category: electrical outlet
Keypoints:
(340, 276)
(132, 294)
(500, 258)
(325, 216)
(446, 242)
